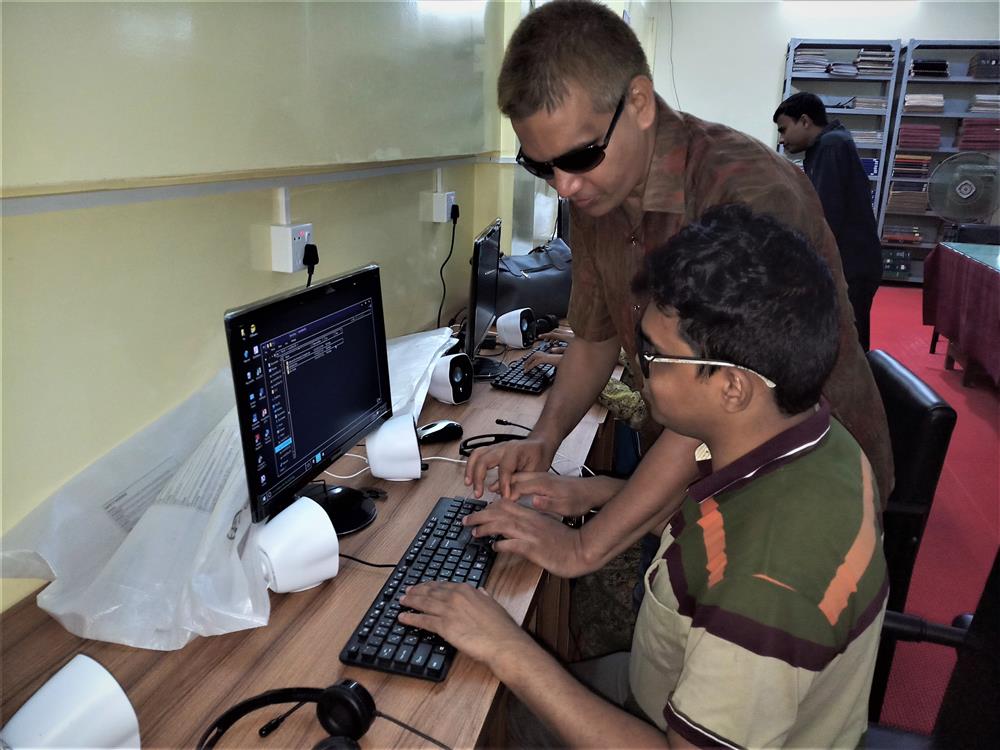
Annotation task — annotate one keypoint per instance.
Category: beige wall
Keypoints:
(729, 57)
(112, 314)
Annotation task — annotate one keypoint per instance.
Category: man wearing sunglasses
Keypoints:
(764, 602)
(577, 88)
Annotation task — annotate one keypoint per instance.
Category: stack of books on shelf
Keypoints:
(842, 69)
(867, 138)
(923, 103)
(902, 235)
(979, 135)
(920, 136)
(869, 102)
(809, 61)
(929, 68)
(874, 62)
(832, 101)
(985, 65)
(985, 103)
(870, 165)
(911, 165)
(908, 198)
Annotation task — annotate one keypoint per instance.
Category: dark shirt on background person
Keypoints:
(833, 166)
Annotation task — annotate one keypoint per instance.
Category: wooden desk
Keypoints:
(177, 694)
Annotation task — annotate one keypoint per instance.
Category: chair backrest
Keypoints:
(920, 427)
(982, 234)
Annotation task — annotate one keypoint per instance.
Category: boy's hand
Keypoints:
(535, 536)
(468, 618)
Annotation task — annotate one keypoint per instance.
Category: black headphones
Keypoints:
(345, 711)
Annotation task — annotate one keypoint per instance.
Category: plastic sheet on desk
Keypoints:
(411, 363)
(147, 546)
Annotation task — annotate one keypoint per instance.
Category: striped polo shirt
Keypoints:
(764, 604)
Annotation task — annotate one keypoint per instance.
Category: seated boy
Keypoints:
(763, 605)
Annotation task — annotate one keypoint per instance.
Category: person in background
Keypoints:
(764, 602)
(834, 168)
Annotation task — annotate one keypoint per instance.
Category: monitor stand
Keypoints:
(484, 368)
(350, 510)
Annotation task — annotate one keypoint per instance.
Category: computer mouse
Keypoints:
(441, 431)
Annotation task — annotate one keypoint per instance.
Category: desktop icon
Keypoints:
(256, 350)
(253, 328)
(249, 376)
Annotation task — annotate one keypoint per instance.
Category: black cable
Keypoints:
(505, 423)
(417, 732)
(370, 564)
(444, 287)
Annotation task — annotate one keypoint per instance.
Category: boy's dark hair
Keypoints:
(800, 104)
(565, 42)
(750, 291)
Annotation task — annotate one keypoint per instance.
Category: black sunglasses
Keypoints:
(578, 160)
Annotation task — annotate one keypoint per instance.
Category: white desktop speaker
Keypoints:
(451, 380)
(516, 329)
(299, 548)
(393, 451)
(81, 705)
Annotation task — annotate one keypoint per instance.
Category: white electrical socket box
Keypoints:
(436, 207)
(288, 243)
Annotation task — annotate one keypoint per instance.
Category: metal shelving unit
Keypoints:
(905, 261)
(845, 50)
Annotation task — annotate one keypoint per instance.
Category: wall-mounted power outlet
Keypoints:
(436, 207)
(288, 242)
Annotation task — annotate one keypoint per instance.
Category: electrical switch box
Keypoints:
(436, 207)
(288, 243)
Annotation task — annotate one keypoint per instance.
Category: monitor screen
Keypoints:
(311, 375)
(483, 298)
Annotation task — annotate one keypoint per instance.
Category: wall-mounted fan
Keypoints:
(964, 187)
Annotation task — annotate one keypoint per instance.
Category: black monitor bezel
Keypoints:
(471, 345)
(281, 302)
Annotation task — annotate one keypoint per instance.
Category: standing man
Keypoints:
(833, 166)
(578, 90)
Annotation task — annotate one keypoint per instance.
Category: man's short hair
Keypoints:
(800, 104)
(565, 42)
(750, 291)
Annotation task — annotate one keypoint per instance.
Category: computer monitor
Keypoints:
(311, 375)
(483, 299)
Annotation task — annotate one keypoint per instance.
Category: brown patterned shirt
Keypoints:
(697, 165)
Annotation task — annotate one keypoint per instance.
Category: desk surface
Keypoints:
(988, 255)
(177, 694)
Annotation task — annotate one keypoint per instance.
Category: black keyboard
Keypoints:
(443, 550)
(535, 380)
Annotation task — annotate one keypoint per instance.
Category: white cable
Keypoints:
(355, 455)
(580, 466)
(442, 458)
(349, 476)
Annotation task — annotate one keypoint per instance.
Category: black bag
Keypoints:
(540, 280)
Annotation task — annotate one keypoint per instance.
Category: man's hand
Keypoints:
(564, 496)
(530, 454)
(534, 536)
(551, 357)
(562, 335)
(468, 618)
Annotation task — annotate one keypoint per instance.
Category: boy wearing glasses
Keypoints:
(764, 601)
(577, 88)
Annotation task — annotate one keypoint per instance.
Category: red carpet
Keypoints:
(963, 531)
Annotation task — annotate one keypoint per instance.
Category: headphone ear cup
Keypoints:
(346, 709)
(337, 743)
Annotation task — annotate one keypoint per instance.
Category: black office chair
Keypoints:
(968, 717)
(920, 427)
(980, 234)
